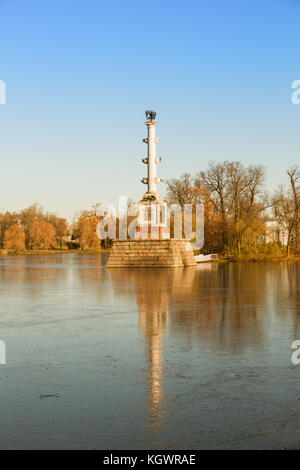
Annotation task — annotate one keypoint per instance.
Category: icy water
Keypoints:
(194, 357)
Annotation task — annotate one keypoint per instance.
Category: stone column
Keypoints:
(151, 161)
(151, 141)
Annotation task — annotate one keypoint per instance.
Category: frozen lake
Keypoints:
(192, 358)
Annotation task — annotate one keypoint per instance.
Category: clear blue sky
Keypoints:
(80, 74)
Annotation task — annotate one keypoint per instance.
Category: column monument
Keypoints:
(152, 245)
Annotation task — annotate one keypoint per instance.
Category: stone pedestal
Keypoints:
(171, 253)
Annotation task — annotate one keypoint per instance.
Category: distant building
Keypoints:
(276, 233)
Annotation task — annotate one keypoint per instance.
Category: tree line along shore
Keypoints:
(242, 219)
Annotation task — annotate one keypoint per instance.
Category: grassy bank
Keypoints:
(221, 259)
(251, 258)
(53, 252)
(258, 259)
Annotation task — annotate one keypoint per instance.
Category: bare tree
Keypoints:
(235, 192)
(214, 181)
(183, 191)
(283, 214)
(294, 179)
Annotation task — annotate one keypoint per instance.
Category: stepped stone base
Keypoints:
(171, 253)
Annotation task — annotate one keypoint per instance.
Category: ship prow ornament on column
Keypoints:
(152, 246)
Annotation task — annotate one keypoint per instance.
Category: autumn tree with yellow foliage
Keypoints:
(84, 232)
(42, 235)
(14, 238)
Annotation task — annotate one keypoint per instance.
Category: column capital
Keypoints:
(151, 123)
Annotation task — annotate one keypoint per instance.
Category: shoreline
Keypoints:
(264, 259)
(221, 259)
(53, 252)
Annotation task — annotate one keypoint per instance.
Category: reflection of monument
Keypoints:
(153, 305)
(153, 290)
(152, 245)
